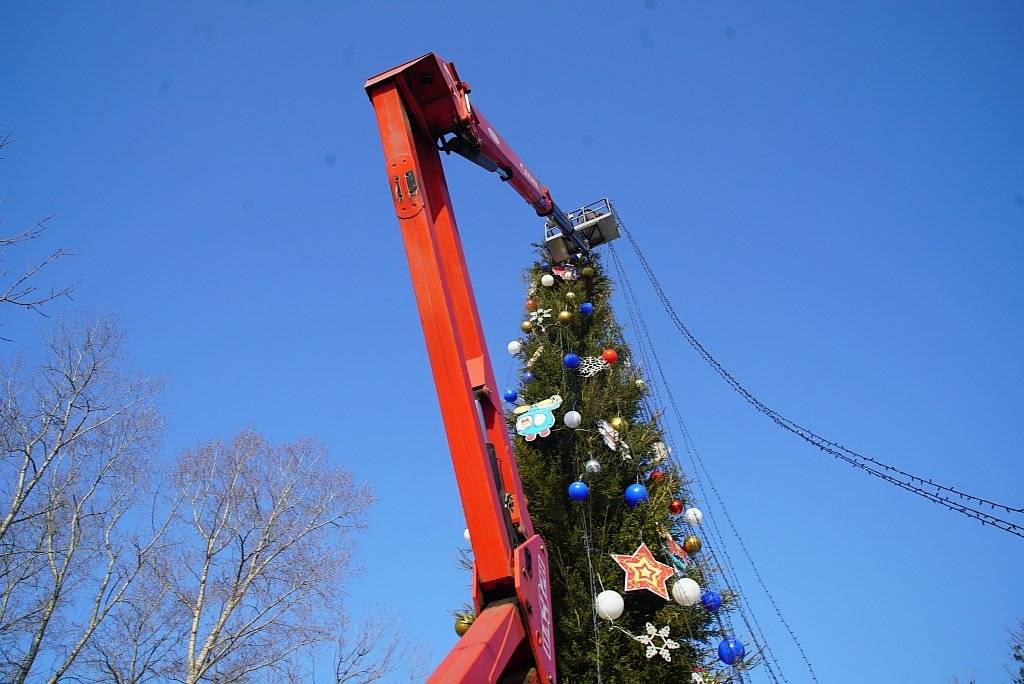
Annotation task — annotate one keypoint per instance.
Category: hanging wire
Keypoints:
(587, 527)
(893, 475)
(719, 546)
(644, 347)
(717, 538)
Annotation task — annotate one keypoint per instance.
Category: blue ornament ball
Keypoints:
(731, 651)
(579, 491)
(635, 494)
(571, 360)
(527, 376)
(711, 600)
(510, 396)
(586, 308)
(545, 266)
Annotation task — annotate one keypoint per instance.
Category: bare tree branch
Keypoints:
(76, 440)
(21, 290)
(376, 650)
(252, 574)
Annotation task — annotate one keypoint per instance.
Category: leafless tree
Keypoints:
(262, 545)
(76, 438)
(373, 651)
(21, 290)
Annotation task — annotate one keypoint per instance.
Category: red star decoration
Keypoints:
(644, 572)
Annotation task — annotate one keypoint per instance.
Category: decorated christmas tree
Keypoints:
(629, 582)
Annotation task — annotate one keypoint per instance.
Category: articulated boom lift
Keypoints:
(422, 109)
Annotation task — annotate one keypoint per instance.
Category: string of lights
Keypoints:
(649, 357)
(949, 497)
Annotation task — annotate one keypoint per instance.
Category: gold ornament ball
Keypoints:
(527, 326)
(587, 272)
(617, 422)
(564, 316)
(640, 383)
(463, 623)
(692, 544)
(570, 295)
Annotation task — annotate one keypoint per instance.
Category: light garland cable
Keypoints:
(588, 541)
(587, 527)
(907, 481)
(634, 315)
(698, 460)
(692, 449)
(716, 538)
(743, 606)
(719, 545)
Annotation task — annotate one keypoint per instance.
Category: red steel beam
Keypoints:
(512, 639)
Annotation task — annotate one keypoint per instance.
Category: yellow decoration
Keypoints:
(564, 316)
(570, 295)
(526, 326)
(640, 383)
(463, 623)
(618, 423)
(692, 544)
(587, 272)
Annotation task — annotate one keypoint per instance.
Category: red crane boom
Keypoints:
(423, 108)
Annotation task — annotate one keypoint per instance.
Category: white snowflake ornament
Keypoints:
(592, 365)
(537, 317)
(657, 642)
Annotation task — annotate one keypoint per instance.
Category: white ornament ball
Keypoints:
(572, 419)
(686, 592)
(693, 516)
(593, 466)
(465, 534)
(609, 604)
(547, 280)
(514, 347)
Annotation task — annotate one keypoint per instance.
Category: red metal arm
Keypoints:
(417, 105)
(440, 105)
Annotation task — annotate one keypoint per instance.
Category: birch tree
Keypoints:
(77, 434)
(262, 546)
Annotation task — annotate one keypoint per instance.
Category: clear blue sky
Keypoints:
(832, 193)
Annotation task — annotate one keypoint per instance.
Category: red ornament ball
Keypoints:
(676, 507)
(531, 304)
(610, 356)
(656, 475)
